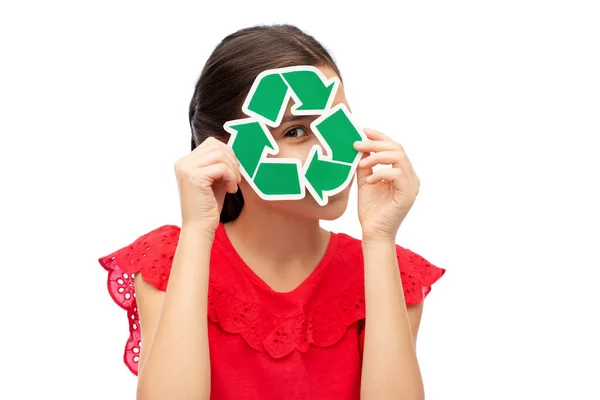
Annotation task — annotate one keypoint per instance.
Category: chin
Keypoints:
(334, 209)
(310, 209)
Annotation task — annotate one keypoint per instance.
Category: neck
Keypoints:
(279, 240)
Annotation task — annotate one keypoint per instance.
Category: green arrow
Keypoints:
(249, 140)
(267, 97)
(325, 176)
(338, 133)
(278, 178)
(287, 179)
(309, 88)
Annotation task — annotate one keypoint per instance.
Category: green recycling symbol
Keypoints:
(324, 174)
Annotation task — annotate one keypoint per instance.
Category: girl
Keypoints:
(261, 302)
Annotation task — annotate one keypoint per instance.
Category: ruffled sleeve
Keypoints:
(417, 275)
(151, 255)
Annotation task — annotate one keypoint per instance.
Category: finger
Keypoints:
(392, 158)
(211, 144)
(217, 155)
(231, 154)
(220, 172)
(387, 146)
(392, 175)
(226, 148)
(363, 173)
(377, 145)
(375, 135)
(235, 164)
(406, 165)
(211, 157)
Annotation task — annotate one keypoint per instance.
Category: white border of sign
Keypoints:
(324, 152)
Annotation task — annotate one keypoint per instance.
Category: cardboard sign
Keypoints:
(286, 178)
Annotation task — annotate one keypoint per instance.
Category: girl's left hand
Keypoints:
(386, 195)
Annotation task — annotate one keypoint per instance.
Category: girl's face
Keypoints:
(295, 139)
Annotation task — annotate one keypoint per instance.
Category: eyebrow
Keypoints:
(292, 117)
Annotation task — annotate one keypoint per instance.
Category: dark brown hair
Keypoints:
(229, 73)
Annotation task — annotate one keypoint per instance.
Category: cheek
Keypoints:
(298, 150)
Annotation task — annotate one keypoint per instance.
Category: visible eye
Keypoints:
(295, 133)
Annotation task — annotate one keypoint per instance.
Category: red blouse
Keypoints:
(302, 344)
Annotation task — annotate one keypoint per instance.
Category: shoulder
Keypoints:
(150, 254)
(417, 272)
(351, 245)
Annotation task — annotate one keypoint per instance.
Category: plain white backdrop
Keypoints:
(496, 103)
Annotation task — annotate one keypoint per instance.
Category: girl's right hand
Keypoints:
(203, 178)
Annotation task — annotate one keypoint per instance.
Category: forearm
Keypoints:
(390, 368)
(177, 365)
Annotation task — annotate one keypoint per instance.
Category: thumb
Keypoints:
(363, 173)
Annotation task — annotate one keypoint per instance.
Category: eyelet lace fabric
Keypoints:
(152, 256)
(323, 326)
(417, 274)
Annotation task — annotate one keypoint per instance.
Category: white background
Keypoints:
(497, 104)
